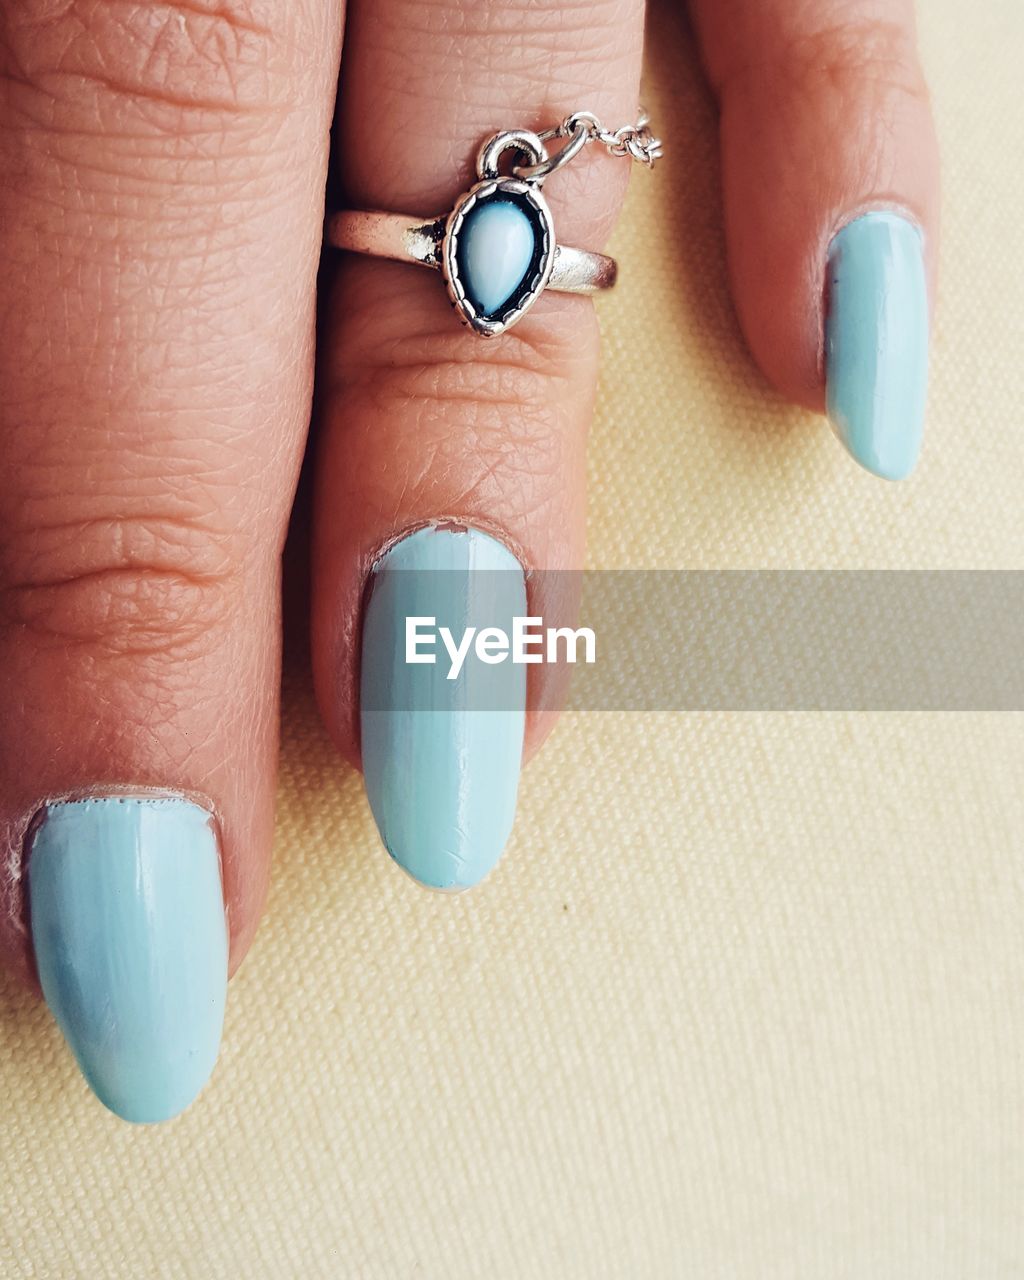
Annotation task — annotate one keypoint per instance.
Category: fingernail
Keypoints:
(130, 939)
(876, 342)
(441, 757)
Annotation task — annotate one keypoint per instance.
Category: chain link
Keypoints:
(633, 141)
(637, 141)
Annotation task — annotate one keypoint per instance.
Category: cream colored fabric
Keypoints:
(746, 997)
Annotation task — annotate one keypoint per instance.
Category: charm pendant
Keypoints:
(497, 254)
(499, 244)
(497, 248)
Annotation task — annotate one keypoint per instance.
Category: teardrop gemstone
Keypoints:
(497, 242)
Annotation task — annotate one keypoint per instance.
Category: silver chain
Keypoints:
(637, 141)
(535, 163)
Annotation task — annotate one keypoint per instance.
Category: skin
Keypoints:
(160, 222)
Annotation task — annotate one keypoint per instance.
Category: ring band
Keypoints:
(497, 249)
(403, 238)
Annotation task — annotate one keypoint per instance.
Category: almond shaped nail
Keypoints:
(441, 757)
(876, 342)
(130, 938)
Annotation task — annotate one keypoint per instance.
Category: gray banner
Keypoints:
(756, 640)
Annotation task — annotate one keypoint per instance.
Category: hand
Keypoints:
(160, 220)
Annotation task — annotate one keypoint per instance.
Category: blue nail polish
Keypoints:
(130, 941)
(876, 342)
(441, 757)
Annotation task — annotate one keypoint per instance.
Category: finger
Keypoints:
(830, 172)
(478, 444)
(159, 225)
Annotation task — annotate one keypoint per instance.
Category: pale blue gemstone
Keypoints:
(496, 246)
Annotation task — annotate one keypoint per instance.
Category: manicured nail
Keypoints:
(131, 946)
(876, 342)
(441, 755)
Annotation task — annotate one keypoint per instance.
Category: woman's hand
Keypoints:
(160, 221)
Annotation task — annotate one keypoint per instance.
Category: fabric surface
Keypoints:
(744, 997)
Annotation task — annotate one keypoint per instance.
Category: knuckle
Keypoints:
(380, 349)
(849, 59)
(124, 588)
(496, 424)
(523, 22)
(171, 58)
(491, 424)
(438, 376)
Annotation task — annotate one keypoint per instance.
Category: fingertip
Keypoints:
(825, 118)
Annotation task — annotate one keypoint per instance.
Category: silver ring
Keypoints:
(497, 248)
(405, 239)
